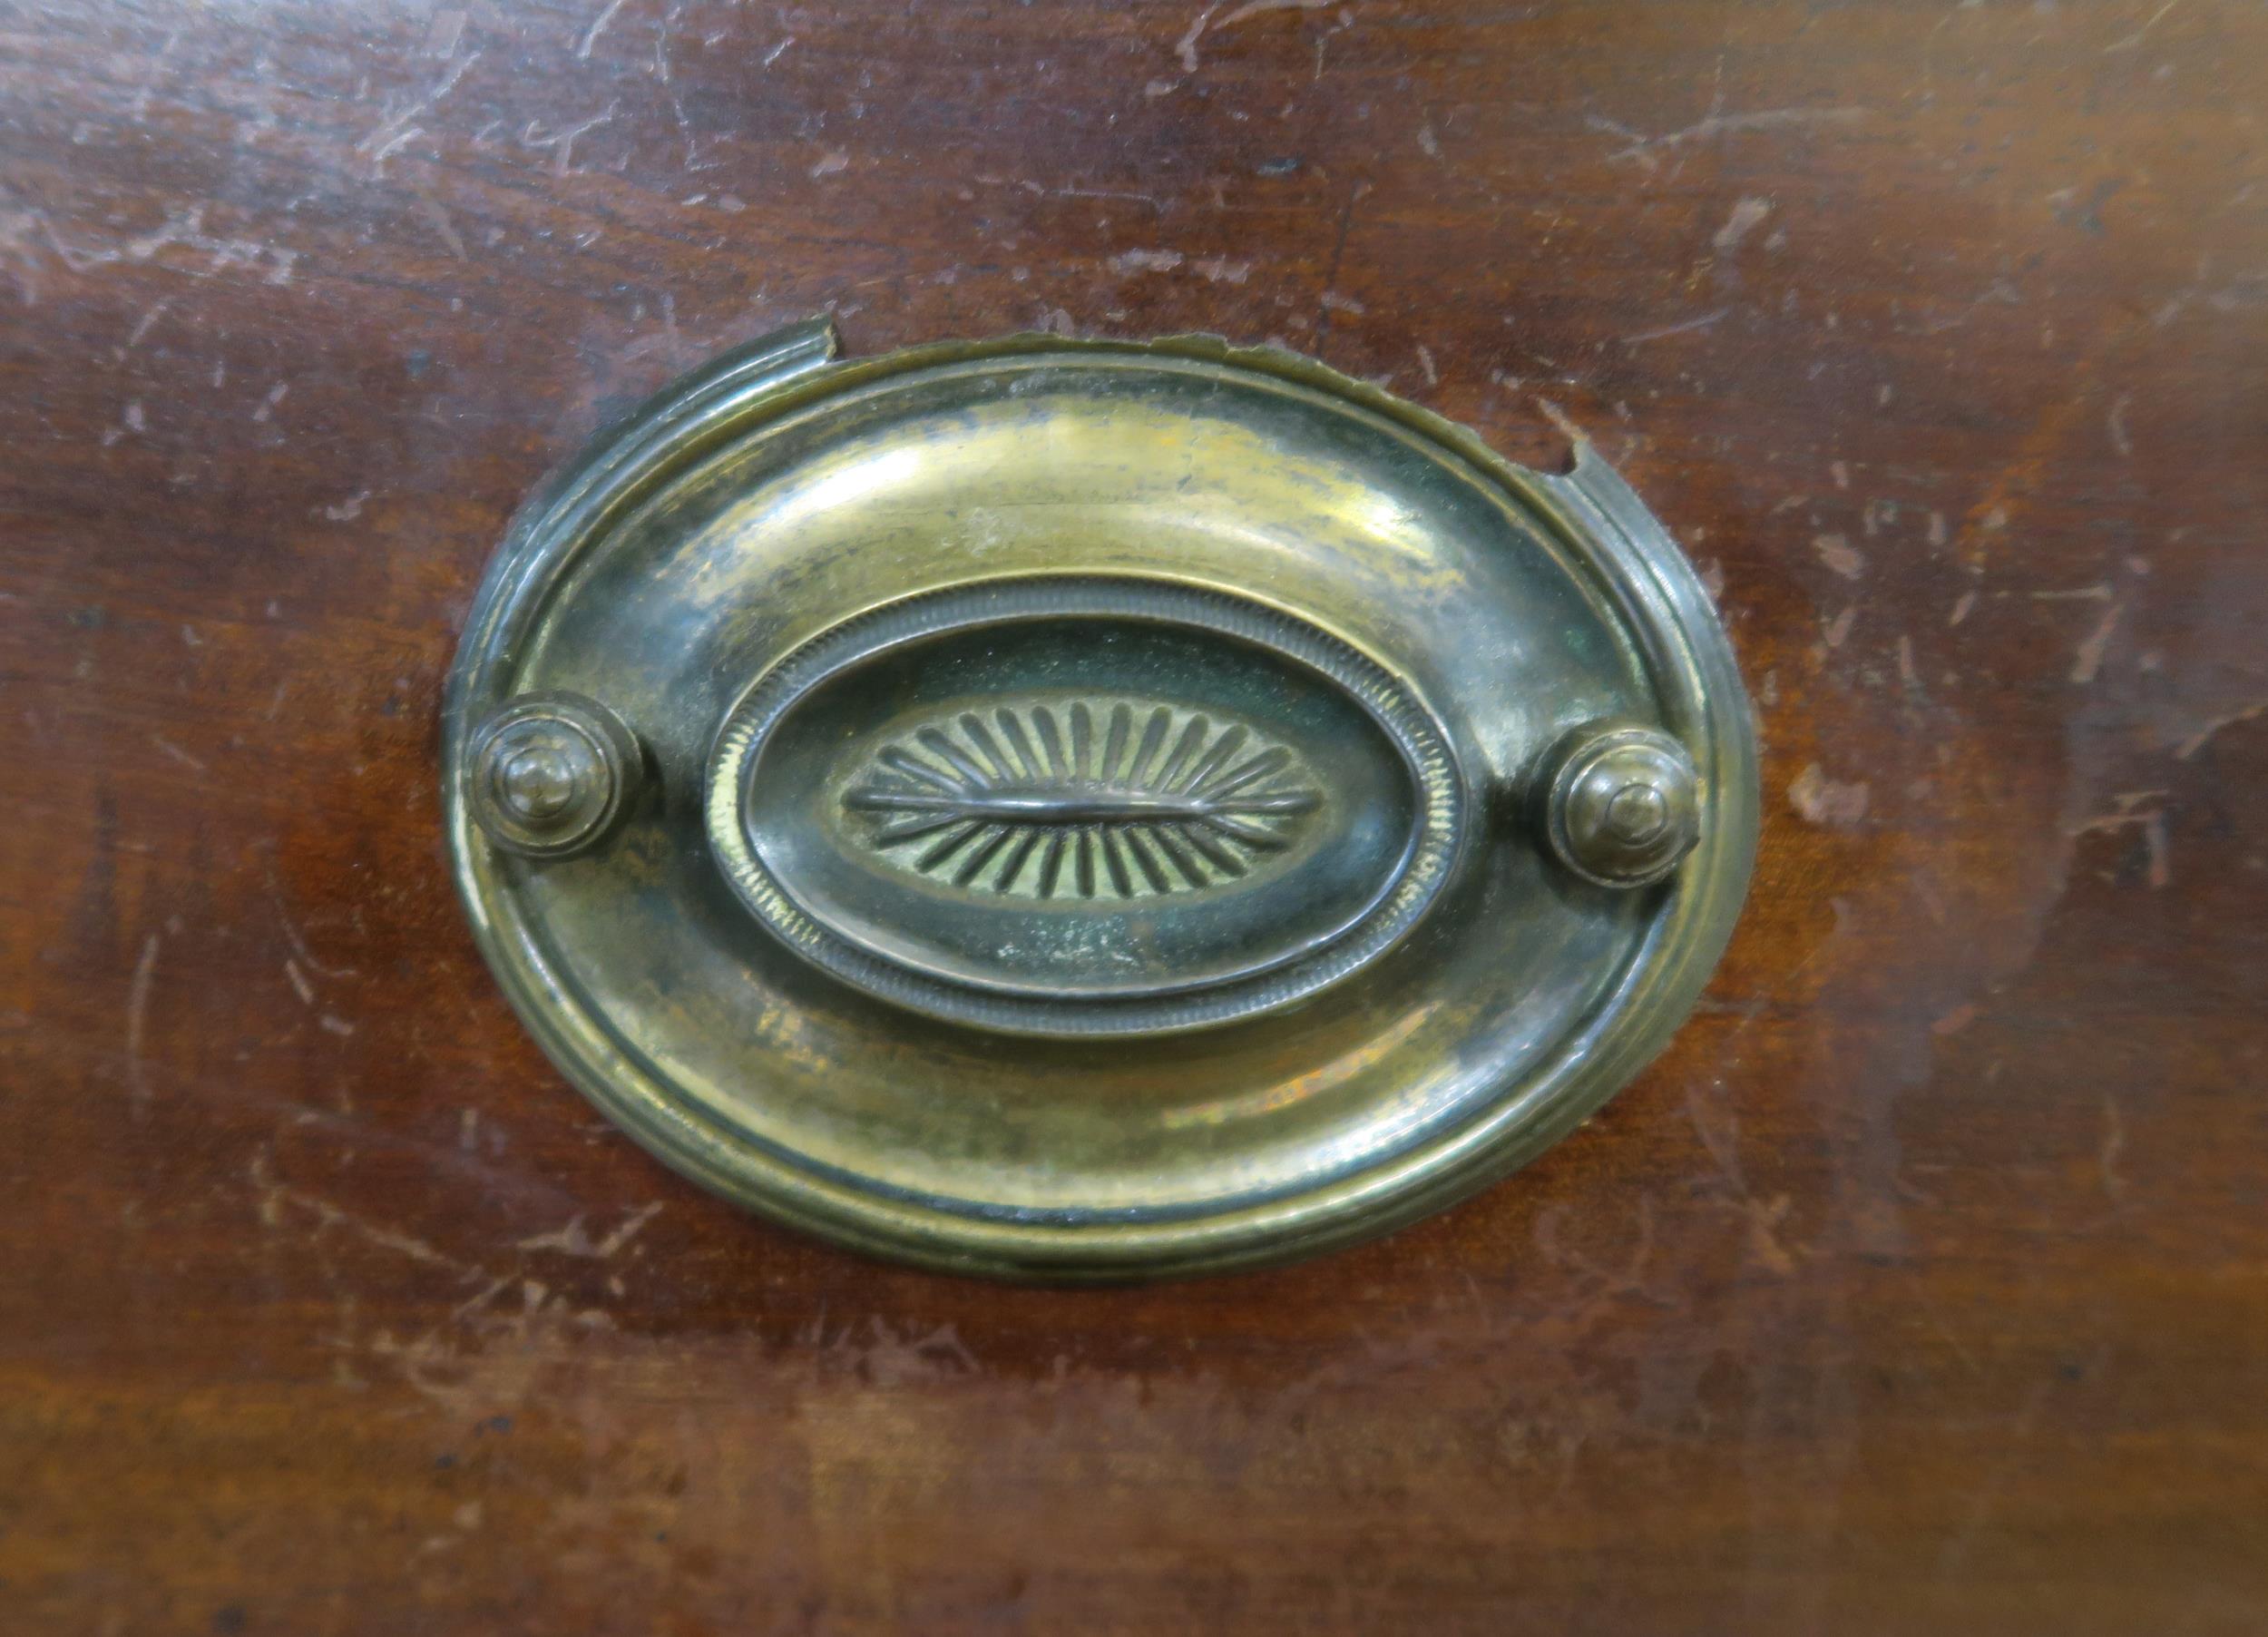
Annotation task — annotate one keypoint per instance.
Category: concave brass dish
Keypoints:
(1081, 810)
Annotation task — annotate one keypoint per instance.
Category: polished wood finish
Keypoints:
(1922, 1286)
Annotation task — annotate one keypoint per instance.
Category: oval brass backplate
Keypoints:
(1086, 810)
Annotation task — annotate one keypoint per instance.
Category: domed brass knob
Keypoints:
(551, 774)
(1624, 807)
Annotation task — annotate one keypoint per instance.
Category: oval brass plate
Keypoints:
(1084, 805)
(1091, 810)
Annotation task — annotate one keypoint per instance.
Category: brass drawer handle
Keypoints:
(1088, 809)
(1080, 830)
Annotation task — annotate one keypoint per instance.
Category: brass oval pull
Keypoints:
(1076, 804)
(1078, 810)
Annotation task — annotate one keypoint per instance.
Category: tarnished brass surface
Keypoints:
(1056, 815)
(1095, 810)
(551, 774)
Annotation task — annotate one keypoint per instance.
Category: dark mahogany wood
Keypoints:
(1922, 1287)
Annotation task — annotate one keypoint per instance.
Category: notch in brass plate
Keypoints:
(1087, 811)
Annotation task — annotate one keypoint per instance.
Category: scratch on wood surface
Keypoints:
(1186, 47)
(574, 1240)
(273, 1196)
(1145, 261)
(1716, 122)
(185, 229)
(398, 128)
(147, 321)
(435, 212)
(2142, 33)
(1840, 556)
(2197, 742)
(2138, 810)
(2088, 661)
(2117, 424)
(393, 144)
(292, 933)
(1703, 322)
(1719, 1132)
(1564, 423)
(177, 753)
(1746, 214)
(2154, 841)
(2127, 809)
(443, 34)
(1324, 312)
(138, 1022)
(992, 179)
(562, 144)
(598, 26)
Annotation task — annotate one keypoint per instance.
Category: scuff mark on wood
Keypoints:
(1828, 802)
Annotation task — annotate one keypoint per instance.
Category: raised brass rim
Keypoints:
(1159, 1007)
(1588, 512)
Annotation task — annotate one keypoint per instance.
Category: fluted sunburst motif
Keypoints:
(1094, 799)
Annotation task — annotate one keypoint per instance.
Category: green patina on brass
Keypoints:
(1071, 810)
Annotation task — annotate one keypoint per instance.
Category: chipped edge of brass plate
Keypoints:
(1608, 533)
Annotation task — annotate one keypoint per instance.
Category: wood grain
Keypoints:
(1922, 1286)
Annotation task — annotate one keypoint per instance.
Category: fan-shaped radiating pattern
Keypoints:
(1101, 798)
